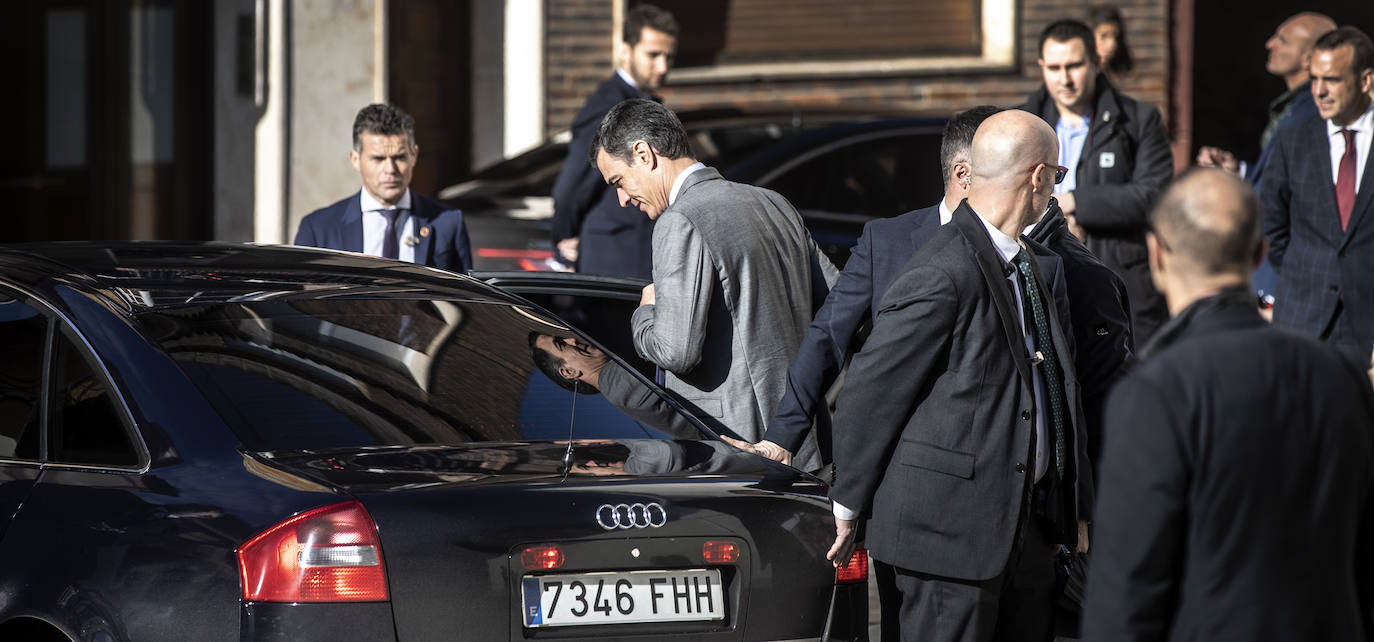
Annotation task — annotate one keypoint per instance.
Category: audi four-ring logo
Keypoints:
(650, 515)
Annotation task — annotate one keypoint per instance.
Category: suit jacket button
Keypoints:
(1025, 414)
(1020, 468)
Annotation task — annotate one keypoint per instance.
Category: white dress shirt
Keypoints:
(1364, 131)
(946, 214)
(374, 227)
(1009, 247)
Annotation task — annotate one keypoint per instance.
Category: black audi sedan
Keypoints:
(227, 442)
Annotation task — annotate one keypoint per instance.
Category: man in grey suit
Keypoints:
(736, 274)
(958, 435)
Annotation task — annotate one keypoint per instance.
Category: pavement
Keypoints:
(875, 615)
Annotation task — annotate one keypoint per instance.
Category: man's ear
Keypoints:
(960, 174)
(1155, 256)
(354, 159)
(644, 154)
(1154, 253)
(1037, 179)
(1366, 80)
(570, 373)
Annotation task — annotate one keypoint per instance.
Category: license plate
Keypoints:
(623, 598)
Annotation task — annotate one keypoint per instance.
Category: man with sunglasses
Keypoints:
(958, 435)
(1116, 158)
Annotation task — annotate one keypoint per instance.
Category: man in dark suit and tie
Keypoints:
(1318, 200)
(591, 229)
(1096, 295)
(1237, 497)
(958, 436)
(386, 218)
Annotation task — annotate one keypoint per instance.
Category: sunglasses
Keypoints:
(1059, 172)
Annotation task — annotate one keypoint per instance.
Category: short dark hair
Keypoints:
(1340, 36)
(385, 120)
(1066, 30)
(1101, 14)
(550, 365)
(640, 119)
(1178, 220)
(957, 137)
(646, 15)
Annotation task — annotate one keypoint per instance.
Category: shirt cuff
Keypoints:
(843, 512)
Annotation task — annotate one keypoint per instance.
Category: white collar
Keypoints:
(946, 214)
(625, 76)
(1006, 245)
(677, 182)
(370, 204)
(1363, 124)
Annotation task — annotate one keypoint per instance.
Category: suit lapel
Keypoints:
(993, 268)
(422, 220)
(351, 227)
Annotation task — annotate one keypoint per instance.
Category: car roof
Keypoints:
(148, 275)
(833, 120)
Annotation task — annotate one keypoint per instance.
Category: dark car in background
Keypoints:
(839, 167)
(226, 442)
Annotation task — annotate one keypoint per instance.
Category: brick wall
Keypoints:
(579, 56)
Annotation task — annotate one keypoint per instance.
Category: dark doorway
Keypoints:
(114, 107)
(429, 73)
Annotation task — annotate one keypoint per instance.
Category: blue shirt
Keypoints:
(1071, 141)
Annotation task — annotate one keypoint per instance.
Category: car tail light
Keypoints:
(330, 554)
(536, 558)
(717, 552)
(856, 570)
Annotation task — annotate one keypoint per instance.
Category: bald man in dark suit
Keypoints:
(1236, 495)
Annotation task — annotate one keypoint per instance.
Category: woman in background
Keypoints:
(1113, 52)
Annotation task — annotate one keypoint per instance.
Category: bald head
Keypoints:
(1291, 45)
(1208, 222)
(1008, 144)
(1310, 25)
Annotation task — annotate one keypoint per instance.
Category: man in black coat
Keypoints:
(1096, 296)
(1237, 495)
(1118, 158)
(591, 230)
(957, 435)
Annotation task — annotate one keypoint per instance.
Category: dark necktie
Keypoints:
(1345, 179)
(391, 248)
(1044, 344)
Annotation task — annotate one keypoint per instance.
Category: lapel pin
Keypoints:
(424, 231)
(411, 241)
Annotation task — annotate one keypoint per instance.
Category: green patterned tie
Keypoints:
(1054, 377)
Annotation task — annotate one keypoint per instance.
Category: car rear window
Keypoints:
(291, 375)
